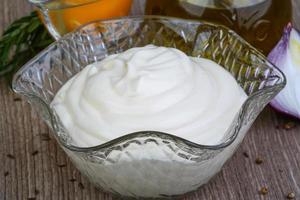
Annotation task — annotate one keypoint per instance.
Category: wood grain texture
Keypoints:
(33, 166)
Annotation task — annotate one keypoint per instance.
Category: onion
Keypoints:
(286, 56)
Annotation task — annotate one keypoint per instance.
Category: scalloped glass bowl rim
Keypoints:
(133, 135)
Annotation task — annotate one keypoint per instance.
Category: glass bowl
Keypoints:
(149, 164)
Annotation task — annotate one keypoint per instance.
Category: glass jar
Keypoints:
(260, 22)
(63, 16)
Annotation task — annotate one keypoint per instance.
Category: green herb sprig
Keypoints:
(20, 42)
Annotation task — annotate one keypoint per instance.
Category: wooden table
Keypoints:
(35, 167)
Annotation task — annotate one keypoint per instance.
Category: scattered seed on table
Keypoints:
(31, 198)
(72, 180)
(291, 195)
(258, 160)
(34, 152)
(289, 125)
(263, 191)
(17, 99)
(36, 191)
(280, 170)
(10, 156)
(6, 173)
(61, 165)
(246, 154)
(80, 185)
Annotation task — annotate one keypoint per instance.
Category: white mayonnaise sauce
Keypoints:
(149, 88)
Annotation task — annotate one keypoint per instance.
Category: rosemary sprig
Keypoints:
(20, 42)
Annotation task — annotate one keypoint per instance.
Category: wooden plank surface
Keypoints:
(34, 167)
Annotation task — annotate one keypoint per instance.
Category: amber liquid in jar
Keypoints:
(63, 16)
(260, 22)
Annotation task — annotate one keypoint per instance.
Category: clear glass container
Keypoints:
(149, 164)
(260, 22)
(63, 16)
